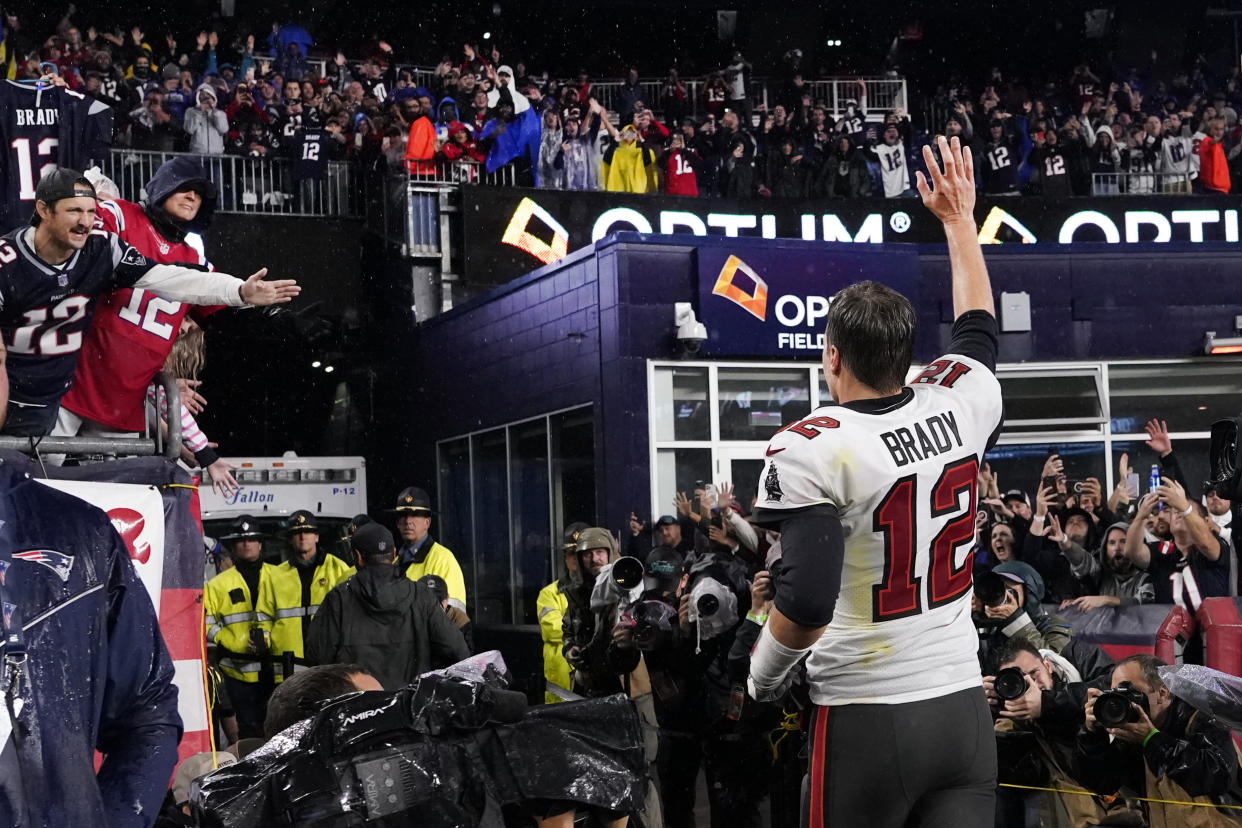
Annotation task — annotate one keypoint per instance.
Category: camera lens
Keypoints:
(1113, 709)
(707, 605)
(990, 588)
(627, 572)
(1010, 684)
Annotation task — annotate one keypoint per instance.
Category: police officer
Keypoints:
(419, 553)
(228, 600)
(551, 605)
(289, 598)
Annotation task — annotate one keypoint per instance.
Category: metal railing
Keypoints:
(153, 443)
(1140, 183)
(247, 184)
(462, 172)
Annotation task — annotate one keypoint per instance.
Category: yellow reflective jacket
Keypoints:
(440, 561)
(551, 605)
(229, 609)
(282, 606)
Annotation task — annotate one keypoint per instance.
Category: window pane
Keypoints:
(453, 528)
(573, 469)
(1192, 456)
(745, 474)
(677, 470)
(825, 396)
(1190, 396)
(756, 402)
(528, 464)
(491, 520)
(1019, 467)
(681, 411)
(1049, 397)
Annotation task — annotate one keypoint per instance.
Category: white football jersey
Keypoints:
(902, 479)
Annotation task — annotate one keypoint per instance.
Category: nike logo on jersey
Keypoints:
(933, 436)
(772, 451)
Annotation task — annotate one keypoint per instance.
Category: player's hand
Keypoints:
(951, 194)
(255, 291)
(1158, 437)
(1026, 708)
(1172, 493)
(770, 694)
(222, 481)
(191, 400)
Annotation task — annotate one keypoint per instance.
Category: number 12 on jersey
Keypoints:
(900, 594)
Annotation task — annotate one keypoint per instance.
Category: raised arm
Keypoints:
(1136, 546)
(951, 197)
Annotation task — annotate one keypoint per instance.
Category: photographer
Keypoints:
(1037, 697)
(1147, 740)
(1006, 604)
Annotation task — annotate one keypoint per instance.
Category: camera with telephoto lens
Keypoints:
(990, 588)
(653, 623)
(627, 572)
(1116, 707)
(1010, 684)
(1226, 459)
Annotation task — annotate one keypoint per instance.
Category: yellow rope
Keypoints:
(179, 486)
(207, 694)
(1139, 798)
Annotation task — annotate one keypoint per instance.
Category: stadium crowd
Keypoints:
(476, 113)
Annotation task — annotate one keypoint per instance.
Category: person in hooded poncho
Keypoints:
(628, 166)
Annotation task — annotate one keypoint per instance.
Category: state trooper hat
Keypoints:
(414, 501)
(301, 521)
(572, 531)
(244, 528)
(354, 524)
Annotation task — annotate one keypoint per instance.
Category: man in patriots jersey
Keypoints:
(50, 275)
(134, 330)
(43, 125)
(875, 501)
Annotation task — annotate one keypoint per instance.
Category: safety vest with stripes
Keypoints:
(284, 611)
(552, 605)
(230, 614)
(440, 561)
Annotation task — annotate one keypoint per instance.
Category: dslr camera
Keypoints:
(1010, 684)
(991, 588)
(1116, 707)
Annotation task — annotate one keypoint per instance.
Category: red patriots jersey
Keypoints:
(133, 329)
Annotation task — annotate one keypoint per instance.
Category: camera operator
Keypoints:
(1037, 697)
(1006, 604)
(1141, 737)
(598, 642)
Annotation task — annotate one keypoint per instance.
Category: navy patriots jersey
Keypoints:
(310, 153)
(42, 127)
(45, 309)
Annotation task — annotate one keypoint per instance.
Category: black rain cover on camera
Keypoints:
(1226, 458)
(1208, 691)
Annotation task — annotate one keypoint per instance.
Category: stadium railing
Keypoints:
(155, 442)
(1140, 183)
(245, 184)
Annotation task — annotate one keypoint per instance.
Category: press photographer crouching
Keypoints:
(1139, 738)
(1037, 697)
(1006, 605)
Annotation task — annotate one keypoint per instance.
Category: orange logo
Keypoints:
(517, 235)
(756, 303)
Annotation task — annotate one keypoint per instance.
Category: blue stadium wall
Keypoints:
(581, 330)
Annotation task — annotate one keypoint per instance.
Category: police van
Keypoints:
(272, 488)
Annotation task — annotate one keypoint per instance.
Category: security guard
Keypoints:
(551, 605)
(228, 601)
(419, 554)
(289, 598)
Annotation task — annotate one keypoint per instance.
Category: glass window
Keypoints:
(756, 402)
(681, 404)
(678, 470)
(493, 603)
(1053, 396)
(825, 396)
(528, 465)
(1189, 396)
(573, 468)
(745, 474)
(1019, 466)
(453, 528)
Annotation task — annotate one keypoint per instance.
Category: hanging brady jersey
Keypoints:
(893, 169)
(46, 309)
(43, 127)
(310, 153)
(133, 330)
(902, 480)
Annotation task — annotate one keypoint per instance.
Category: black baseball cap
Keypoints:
(666, 520)
(61, 182)
(437, 585)
(1016, 494)
(372, 540)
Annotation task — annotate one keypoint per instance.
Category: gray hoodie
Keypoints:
(1133, 588)
(207, 130)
